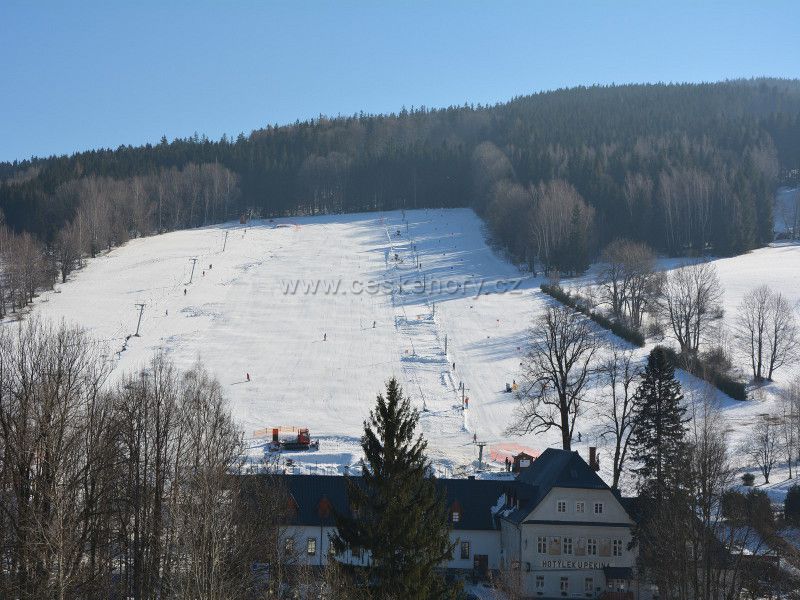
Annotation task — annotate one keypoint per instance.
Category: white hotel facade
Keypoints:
(557, 530)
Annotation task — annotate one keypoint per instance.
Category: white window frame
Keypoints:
(580, 506)
(566, 545)
(461, 550)
(311, 546)
(591, 546)
(540, 582)
(455, 516)
(588, 586)
(561, 504)
(563, 586)
(616, 547)
(598, 508)
(541, 544)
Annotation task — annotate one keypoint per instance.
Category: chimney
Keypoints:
(594, 462)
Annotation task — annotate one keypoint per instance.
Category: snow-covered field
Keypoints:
(237, 317)
(313, 355)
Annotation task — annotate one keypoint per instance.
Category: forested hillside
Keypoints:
(556, 175)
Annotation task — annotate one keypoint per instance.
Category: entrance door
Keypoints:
(480, 566)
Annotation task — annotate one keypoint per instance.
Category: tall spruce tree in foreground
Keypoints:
(659, 447)
(399, 516)
(657, 442)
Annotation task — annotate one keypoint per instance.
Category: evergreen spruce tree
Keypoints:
(791, 505)
(577, 252)
(657, 442)
(398, 515)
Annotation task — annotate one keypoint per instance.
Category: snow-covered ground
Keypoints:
(777, 266)
(237, 317)
(314, 357)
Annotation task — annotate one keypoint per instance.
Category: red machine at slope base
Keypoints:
(292, 438)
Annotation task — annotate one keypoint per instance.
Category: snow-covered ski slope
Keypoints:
(293, 302)
(342, 273)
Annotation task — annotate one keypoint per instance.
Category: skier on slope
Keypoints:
(248, 376)
(324, 337)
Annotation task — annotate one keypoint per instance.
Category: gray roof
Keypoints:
(553, 468)
(313, 496)
(309, 494)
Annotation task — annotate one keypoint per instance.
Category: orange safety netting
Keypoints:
(499, 452)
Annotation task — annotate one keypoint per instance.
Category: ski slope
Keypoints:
(313, 355)
(292, 303)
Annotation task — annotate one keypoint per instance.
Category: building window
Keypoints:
(591, 546)
(288, 545)
(465, 550)
(540, 582)
(567, 545)
(541, 544)
(580, 506)
(617, 548)
(562, 506)
(588, 587)
(311, 546)
(456, 516)
(598, 508)
(564, 586)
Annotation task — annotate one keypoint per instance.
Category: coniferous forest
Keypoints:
(687, 168)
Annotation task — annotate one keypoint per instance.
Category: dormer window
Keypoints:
(598, 508)
(455, 512)
(561, 506)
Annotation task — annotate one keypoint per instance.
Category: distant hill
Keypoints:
(683, 167)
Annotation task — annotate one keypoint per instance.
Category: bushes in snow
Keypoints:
(630, 334)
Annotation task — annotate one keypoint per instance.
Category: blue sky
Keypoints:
(79, 75)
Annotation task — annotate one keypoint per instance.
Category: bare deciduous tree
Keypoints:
(555, 203)
(766, 331)
(628, 280)
(133, 491)
(619, 373)
(763, 445)
(690, 300)
(556, 373)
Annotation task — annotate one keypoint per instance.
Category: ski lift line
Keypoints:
(413, 373)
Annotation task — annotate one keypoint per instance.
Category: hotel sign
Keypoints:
(566, 563)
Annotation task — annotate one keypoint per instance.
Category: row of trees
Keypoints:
(679, 167)
(562, 364)
(24, 269)
(107, 212)
(136, 489)
(121, 490)
(691, 534)
(687, 303)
